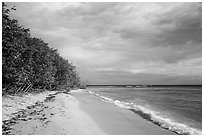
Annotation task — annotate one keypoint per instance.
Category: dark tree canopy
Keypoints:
(29, 63)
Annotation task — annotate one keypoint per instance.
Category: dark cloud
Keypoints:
(88, 9)
(175, 27)
(188, 25)
(122, 42)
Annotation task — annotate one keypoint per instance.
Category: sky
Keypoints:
(122, 43)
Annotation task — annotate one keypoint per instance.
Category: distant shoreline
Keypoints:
(131, 85)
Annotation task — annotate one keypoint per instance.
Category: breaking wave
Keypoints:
(153, 116)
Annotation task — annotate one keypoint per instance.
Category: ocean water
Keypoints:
(175, 108)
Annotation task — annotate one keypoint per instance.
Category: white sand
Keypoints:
(81, 114)
(63, 117)
(12, 104)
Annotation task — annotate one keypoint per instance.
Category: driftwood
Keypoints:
(18, 89)
(28, 88)
(23, 88)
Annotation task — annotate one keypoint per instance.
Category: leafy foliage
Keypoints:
(28, 62)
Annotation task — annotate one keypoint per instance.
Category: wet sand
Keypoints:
(79, 113)
(114, 120)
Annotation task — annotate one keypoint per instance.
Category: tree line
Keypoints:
(28, 63)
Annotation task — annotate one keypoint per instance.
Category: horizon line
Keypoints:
(143, 85)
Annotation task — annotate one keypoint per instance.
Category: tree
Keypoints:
(29, 62)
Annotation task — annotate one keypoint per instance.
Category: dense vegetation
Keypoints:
(29, 64)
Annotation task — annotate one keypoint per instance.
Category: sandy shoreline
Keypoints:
(116, 121)
(79, 113)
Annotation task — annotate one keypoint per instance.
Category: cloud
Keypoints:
(174, 26)
(122, 77)
(121, 40)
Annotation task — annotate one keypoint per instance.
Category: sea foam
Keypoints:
(153, 116)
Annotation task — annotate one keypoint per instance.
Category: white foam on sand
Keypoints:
(154, 116)
(77, 91)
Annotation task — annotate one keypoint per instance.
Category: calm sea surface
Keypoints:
(176, 108)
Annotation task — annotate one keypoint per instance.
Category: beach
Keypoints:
(80, 113)
(102, 68)
(114, 120)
